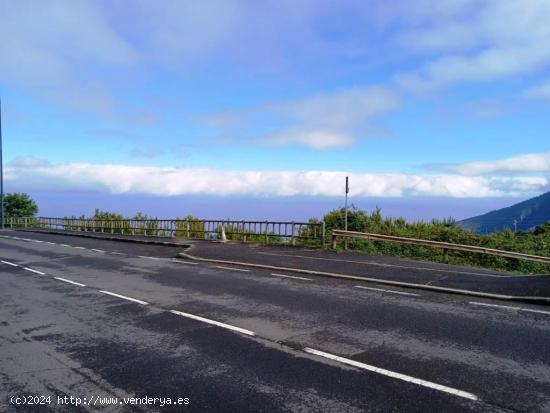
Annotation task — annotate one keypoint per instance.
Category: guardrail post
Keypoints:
(333, 241)
(292, 239)
(323, 234)
(266, 236)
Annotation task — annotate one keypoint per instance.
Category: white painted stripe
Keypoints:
(508, 307)
(386, 291)
(65, 245)
(216, 323)
(69, 281)
(96, 250)
(79, 248)
(151, 258)
(183, 262)
(124, 297)
(49, 242)
(393, 374)
(117, 253)
(290, 276)
(10, 263)
(35, 271)
(231, 268)
(27, 239)
(37, 240)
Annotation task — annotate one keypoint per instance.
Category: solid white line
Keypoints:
(216, 323)
(290, 276)
(65, 245)
(69, 281)
(231, 268)
(96, 250)
(79, 248)
(393, 374)
(380, 264)
(508, 307)
(10, 263)
(386, 291)
(27, 239)
(183, 262)
(36, 240)
(49, 242)
(151, 258)
(35, 271)
(117, 253)
(124, 297)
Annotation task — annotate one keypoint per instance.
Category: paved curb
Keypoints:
(95, 236)
(537, 300)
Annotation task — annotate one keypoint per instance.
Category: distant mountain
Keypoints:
(527, 215)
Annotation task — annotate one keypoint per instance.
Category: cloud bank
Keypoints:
(170, 181)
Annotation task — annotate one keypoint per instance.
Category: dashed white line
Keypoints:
(9, 263)
(49, 242)
(508, 307)
(135, 300)
(69, 281)
(118, 253)
(151, 258)
(65, 245)
(96, 250)
(35, 271)
(231, 268)
(393, 374)
(291, 276)
(386, 291)
(79, 248)
(37, 240)
(216, 323)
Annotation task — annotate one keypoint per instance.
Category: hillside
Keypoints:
(527, 214)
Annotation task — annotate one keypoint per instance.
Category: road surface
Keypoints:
(106, 321)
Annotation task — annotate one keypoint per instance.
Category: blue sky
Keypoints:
(247, 101)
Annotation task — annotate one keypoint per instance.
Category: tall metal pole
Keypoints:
(346, 213)
(1, 174)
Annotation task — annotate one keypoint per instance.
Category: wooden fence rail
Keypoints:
(446, 246)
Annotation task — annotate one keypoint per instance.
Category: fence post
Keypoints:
(266, 236)
(323, 234)
(333, 241)
(292, 239)
(445, 255)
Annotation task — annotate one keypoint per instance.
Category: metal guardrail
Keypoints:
(446, 246)
(246, 231)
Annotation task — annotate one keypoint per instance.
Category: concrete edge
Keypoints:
(95, 236)
(537, 300)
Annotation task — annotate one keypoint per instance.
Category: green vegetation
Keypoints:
(536, 242)
(18, 205)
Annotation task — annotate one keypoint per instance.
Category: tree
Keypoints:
(19, 205)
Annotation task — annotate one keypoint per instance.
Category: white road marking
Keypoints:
(508, 307)
(79, 248)
(35, 271)
(386, 291)
(183, 262)
(151, 258)
(231, 268)
(380, 264)
(216, 323)
(291, 276)
(117, 253)
(135, 300)
(36, 240)
(10, 263)
(49, 242)
(96, 250)
(65, 245)
(69, 281)
(393, 374)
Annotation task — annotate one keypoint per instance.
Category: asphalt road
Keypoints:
(234, 340)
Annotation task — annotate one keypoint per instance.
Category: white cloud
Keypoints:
(163, 181)
(528, 163)
(498, 39)
(541, 91)
(320, 121)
